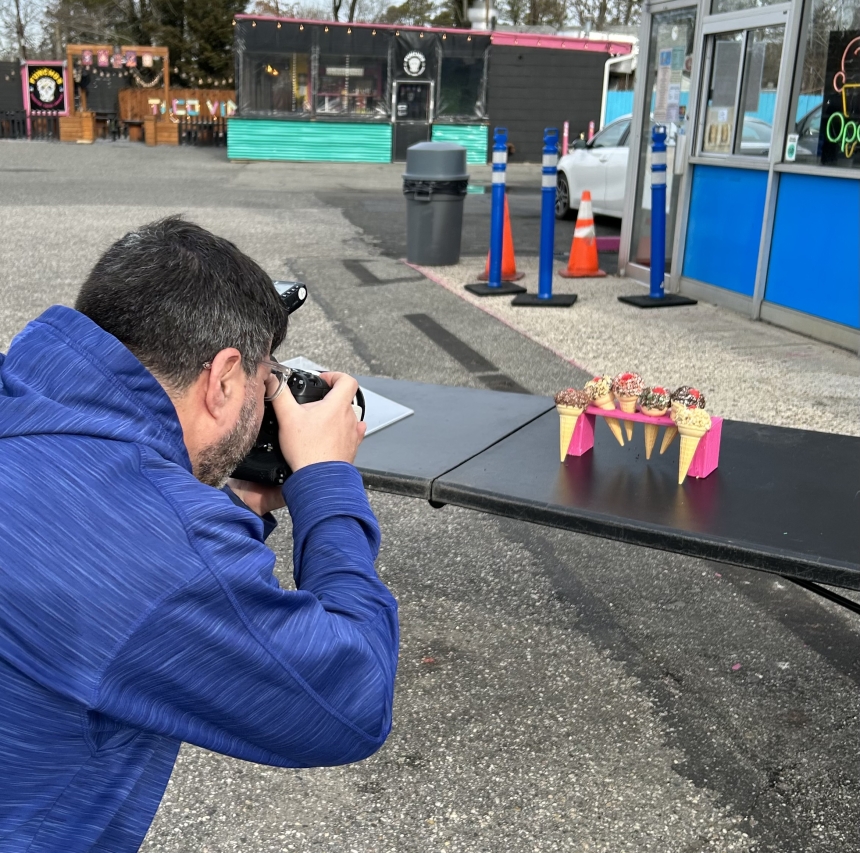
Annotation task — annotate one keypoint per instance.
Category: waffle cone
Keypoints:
(628, 405)
(568, 416)
(690, 439)
(668, 438)
(651, 431)
(612, 423)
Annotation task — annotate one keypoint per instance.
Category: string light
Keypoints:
(326, 29)
(301, 27)
(373, 33)
(253, 23)
(279, 24)
(349, 31)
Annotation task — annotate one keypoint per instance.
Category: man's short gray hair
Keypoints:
(176, 295)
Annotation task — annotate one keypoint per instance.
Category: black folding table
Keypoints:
(782, 500)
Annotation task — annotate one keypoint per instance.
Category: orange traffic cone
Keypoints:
(509, 262)
(583, 251)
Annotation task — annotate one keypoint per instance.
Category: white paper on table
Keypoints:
(379, 411)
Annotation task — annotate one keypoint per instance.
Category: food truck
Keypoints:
(315, 90)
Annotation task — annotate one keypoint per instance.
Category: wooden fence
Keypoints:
(134, 104)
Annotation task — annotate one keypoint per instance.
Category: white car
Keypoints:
(599, 166)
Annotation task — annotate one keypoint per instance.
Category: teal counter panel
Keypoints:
(473, 137)
(264, 139)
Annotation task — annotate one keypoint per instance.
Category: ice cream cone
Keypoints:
(651, 431)
(628, 405)
(568, 416)
(668, 438)
(690, 438)
(612, 423)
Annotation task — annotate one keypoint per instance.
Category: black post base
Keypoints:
(505, 289)
(668, 300)
(558, 300)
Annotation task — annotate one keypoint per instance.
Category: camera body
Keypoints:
(265, 463)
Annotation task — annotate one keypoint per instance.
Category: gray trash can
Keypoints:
(434, 184)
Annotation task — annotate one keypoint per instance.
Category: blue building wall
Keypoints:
(724, 227)
(815, 250)
(620, 103)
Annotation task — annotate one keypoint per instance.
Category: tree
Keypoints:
(19, 21)
(413, 13)
(209, 39)
(513, 11)
(603, 13)
(450, 14)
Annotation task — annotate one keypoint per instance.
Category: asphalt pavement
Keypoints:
(555, 692)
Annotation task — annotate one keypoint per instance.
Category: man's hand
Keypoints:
(258, 497)
(325, 431)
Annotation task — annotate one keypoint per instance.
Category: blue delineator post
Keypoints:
(658, 210)
(549, 172)
(657, 297)
(497, 217)
(495, 286)
(547, 211)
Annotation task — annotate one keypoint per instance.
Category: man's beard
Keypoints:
(218, 461)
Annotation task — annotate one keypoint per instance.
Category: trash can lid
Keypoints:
(436, 161)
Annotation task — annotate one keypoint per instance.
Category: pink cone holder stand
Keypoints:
(705, 459)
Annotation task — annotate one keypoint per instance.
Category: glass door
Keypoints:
(412, 115)
(667, 93)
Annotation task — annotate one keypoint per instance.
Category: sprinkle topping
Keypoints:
(572, 397)
(693, 418)
(656, 397)
(600, 386)
(627, 385)
(689, 397)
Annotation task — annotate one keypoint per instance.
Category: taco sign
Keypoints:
(47, 88)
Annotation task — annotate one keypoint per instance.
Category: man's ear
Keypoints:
(224, 389)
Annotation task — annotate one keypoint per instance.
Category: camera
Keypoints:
(265, 463)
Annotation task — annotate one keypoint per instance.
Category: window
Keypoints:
(461, 87)
(826, 104)
(718, 6)
(352, 85)
(741, 95)
(612, 136)
(758, 94)
(276, 83)
(722, 93)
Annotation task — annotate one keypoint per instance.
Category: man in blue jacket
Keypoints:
(138, 608)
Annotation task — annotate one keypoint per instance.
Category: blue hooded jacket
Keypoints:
(138, 608)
